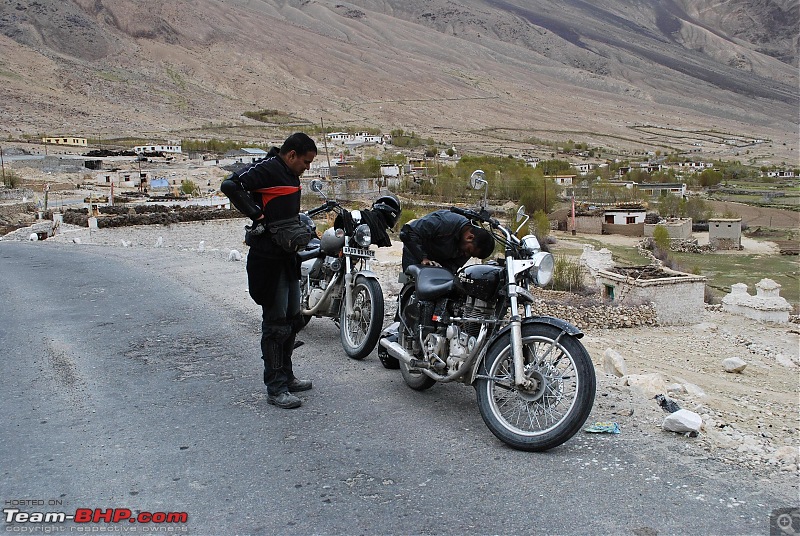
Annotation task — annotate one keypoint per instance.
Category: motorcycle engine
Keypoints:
(475, 308)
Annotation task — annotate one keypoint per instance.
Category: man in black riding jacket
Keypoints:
(445, 238)
(269, 191)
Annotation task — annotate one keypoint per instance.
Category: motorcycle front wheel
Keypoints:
(359, 331)
(551, 412)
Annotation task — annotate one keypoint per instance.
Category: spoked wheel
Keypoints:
(559, 400)
(360, 331)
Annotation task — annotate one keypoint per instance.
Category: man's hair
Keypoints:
(484, 241)
(299, 143)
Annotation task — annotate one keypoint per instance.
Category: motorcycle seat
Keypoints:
(432, 282)
(306, 254)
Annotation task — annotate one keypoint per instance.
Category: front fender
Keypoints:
(563, 325)
(368, 274)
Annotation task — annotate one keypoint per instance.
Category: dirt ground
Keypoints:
(750, 418)
(759, 216)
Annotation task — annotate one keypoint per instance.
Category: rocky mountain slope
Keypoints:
(494, 74)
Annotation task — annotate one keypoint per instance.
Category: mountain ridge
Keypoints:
(455, 71)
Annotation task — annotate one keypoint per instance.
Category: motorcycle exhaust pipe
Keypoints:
(397, 351)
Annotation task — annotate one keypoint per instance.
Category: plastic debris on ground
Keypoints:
(668, 405)
(603, 428)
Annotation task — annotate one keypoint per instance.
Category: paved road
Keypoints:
(124, 387)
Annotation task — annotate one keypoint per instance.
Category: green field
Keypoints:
(722, 269)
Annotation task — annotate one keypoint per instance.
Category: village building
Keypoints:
(725, 233)
(66, 140)
(174, 148)
(678, 228)
(246, 155)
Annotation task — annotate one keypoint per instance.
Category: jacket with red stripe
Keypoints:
(267, 187)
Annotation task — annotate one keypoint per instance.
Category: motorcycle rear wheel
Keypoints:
(549, 415)
(359, 332)
(415, 379)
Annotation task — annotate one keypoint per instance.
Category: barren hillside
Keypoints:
(670, 74)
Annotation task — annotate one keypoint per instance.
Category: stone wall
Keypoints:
(677, 228)
(631, 229)
(592, 313)
(15, 194)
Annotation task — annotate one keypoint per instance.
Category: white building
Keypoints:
(175, 149)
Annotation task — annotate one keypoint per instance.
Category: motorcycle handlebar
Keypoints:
(325, 207)
(483, 215)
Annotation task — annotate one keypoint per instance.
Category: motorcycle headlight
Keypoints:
(542, 269)
(363, 236)
(530, 243)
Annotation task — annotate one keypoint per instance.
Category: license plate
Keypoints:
(358, 252)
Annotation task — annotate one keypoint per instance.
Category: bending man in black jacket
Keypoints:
(444, 238)
(265, 192)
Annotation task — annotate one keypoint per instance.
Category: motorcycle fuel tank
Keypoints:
(481, 280)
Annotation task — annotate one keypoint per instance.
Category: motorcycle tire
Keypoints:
(552, 413)
(359, 333)
(415, 379)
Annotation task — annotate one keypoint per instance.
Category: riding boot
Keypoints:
(289, 345)
(273, 340)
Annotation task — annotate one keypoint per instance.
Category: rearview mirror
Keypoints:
(478, 179)
(316, 186)
(522, 218)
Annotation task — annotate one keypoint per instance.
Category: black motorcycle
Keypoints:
(535, 381)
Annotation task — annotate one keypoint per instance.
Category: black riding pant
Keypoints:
(280, 323)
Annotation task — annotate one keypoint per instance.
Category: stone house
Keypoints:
(678, 228)
(725, 233)
(678, 298)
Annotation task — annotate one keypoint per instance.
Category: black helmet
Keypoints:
(389, 207)
(304, 218)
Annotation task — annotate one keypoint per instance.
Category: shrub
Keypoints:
(406, 216)
(11, 179)
(661, 237)
(567, 274)
(188, 187)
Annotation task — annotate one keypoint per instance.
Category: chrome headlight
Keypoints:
(531, 243)
(363, 235)
(542, 269)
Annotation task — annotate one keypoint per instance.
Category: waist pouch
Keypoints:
(291, 234)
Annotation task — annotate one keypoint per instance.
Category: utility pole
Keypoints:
(325, 143)
(3, 166)
(544, 183)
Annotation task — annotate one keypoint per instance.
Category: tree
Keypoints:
(669, 206)
(710, 177)
(661, 237)
(11, 179)
(541, 225)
